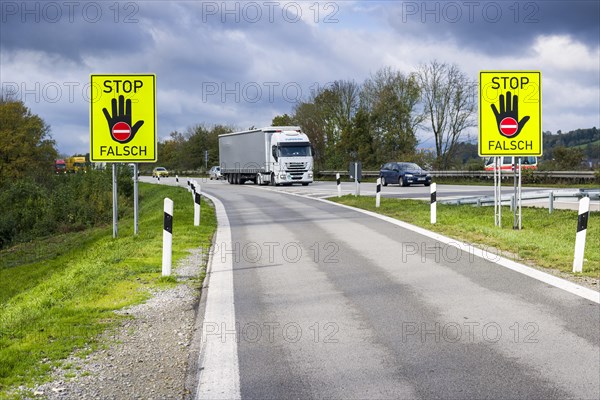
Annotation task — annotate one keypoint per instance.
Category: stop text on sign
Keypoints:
(122, 86)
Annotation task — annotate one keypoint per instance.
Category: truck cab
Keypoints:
(292, 158)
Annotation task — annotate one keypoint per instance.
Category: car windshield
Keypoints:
(294, 150)
(410, 167)
(160, 169)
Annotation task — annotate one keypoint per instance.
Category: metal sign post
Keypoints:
(356, 179)
(519, 196)
(514, 199)
(135, 199)
(498, 191)
(115, 198)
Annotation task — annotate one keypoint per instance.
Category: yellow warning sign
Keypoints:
(510, 113)
(123, 118)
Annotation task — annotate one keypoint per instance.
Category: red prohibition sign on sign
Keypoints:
(121, 131)
(509, 126)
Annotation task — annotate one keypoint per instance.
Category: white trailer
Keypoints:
(276, 155)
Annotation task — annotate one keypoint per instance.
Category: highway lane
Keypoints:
(331, 303)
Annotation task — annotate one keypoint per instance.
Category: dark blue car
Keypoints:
(404, 174)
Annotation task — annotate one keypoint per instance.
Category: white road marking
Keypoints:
(219, 376)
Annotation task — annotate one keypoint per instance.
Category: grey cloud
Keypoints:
(497, 27)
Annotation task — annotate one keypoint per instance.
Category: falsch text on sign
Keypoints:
(123, 151)
(506, 145)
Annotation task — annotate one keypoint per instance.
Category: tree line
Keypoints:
(375, 121)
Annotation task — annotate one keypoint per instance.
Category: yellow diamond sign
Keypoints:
(510, 113)
(123, 118)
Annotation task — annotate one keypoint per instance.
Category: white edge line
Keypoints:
(219, 376)
(557, 282)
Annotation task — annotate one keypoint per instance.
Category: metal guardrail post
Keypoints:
(550, 202)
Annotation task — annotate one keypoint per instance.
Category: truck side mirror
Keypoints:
(274, 151)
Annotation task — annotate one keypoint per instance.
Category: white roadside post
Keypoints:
(197, 198)
(582, 220)
(167, 237)
(433, 192)
(378, 193)
(339, 186)
(176, 178)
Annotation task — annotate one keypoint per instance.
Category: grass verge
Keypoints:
(57, 294)
(547, 240)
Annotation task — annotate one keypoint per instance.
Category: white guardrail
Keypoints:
(551, 195)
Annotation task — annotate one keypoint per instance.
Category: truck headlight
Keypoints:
(310, 175)
(282, 176)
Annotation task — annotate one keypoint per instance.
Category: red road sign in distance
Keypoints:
(509, 126)
(121, 131)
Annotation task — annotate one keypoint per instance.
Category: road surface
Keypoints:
(307, 299)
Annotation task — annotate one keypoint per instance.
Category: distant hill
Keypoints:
(586, 139)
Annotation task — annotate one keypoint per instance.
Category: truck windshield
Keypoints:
(295, 150)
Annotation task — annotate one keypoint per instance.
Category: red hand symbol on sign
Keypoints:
(509, 115)
(119, 123)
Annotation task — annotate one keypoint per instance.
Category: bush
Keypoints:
(64, 203)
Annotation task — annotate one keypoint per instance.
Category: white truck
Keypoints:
(275, 155)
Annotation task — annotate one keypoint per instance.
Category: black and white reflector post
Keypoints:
(167, 237)
(582, 221)
(197, 198)
(433, 203)
(378, 193)
(339, 184)
(176, 178)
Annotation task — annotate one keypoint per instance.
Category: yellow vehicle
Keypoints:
(160, 171)
(76, 164)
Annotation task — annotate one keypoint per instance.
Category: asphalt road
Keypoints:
(307, 299)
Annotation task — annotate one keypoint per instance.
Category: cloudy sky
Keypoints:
(242, 63)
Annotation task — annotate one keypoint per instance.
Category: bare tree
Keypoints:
(449, 101)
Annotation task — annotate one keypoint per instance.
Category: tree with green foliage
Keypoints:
(568, 158)
(282, 120)
(26, 148)
(391, 99)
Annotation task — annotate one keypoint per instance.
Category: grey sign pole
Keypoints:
(115, 198)
(514, 202)
(135, 199)
(356, 179)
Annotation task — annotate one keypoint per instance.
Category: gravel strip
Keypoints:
(146, 357)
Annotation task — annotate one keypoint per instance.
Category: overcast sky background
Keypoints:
(242, 63)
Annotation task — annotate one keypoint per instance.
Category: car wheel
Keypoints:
(383, 181)
(401, 181)
(427, 183)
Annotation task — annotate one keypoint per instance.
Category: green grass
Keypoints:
(546, 240)
(57, 294)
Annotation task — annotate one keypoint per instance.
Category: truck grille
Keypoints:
(295, 166)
